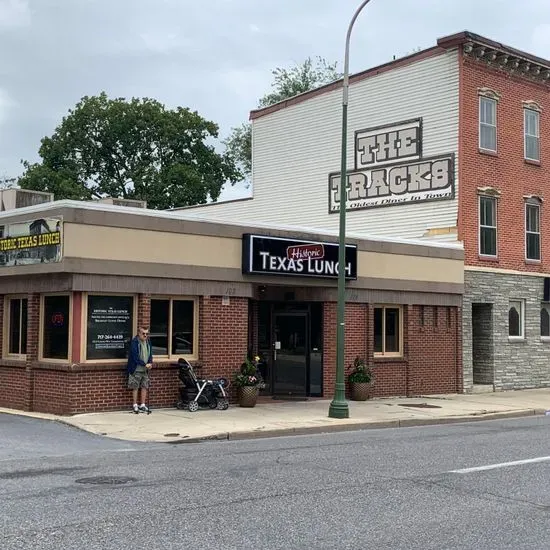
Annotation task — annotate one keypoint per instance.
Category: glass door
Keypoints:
(290, 354)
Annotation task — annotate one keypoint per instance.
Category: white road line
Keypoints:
(501, 465)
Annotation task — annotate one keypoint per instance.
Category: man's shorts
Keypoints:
(139, 379)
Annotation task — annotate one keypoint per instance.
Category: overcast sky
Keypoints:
(213, 56)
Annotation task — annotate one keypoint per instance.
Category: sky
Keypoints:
(212, 56)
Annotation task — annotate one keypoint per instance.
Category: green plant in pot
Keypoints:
(360, 380)
(248, 381)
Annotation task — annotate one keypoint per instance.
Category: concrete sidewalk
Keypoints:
(270, 418)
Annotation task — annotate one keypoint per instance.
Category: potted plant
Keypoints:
(248, 381)
(359, 379)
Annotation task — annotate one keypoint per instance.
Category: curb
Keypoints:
(313, 430)
(304, 430)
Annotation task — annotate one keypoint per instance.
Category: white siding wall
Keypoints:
(296, 148)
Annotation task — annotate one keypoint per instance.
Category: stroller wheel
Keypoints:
(213, 404)
(223, 405)
(180, 405)
(193, 406)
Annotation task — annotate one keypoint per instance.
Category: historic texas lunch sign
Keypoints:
(291, 257)
(390, 169)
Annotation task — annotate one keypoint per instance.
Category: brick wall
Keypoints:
(432, 350)
(224, 336)
(14, 389)
(355, 341)
(144, 310)
(431, 363)
(507, 170)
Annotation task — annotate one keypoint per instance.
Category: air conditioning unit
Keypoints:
(130, 203)
(13, 198)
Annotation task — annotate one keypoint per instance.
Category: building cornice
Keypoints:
(499, 56)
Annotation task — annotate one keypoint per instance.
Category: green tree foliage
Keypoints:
(287, 83)
(134, 149)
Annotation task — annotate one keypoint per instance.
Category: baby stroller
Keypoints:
(197, 392)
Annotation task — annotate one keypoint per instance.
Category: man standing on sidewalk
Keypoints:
(140, 360)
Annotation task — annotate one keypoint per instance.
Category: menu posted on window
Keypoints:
(109, 326)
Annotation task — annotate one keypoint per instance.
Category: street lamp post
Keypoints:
(339, 406)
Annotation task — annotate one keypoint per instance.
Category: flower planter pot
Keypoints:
(248, 395)
(360, 391)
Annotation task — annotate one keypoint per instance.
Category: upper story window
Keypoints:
(487, 226)
(488, 123)
(532, 231)
(531, 123)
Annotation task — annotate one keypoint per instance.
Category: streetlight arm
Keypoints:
(346, 56)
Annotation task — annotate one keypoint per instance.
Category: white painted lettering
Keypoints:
(264, 256)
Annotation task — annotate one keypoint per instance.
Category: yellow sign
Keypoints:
(30, 241)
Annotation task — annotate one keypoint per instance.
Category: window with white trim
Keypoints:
(532, 231)
(487, 124)
(531, 124)
(487, 226)
(388, 330)
(16, 324)
(516, 319)
(173, 327)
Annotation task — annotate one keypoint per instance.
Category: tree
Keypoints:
(133, 149)
(287, 83)
(7, 182)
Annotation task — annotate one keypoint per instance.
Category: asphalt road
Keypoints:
(379, 489)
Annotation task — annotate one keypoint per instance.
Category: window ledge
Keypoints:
(533, 262)
(484, 258)
(532, 162)
(487, 152)
(545, 339)
(516, 339)
(10, 362)
(389, 358)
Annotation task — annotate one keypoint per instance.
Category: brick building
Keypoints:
(448, 144)
(76, 280)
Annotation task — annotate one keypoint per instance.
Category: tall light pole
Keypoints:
(339, 406)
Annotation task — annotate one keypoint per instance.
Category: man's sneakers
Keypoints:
(143, 408)
(136, 408)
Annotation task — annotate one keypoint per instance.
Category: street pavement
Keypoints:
(476, 485)
(271, 418)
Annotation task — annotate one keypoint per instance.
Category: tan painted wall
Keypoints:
(131, 245)
(117, 243)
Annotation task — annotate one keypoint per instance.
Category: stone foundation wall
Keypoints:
(517, 364)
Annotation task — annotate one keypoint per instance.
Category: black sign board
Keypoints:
(292, 257)
(110, 326)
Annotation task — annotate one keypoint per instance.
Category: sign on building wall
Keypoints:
(109, 326)
(34, 242)
(277, 256)
(390, 169)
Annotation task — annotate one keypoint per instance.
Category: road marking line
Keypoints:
(501, 465)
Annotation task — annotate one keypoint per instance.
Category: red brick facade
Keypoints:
(432, 359)
(430, 363)
(507, 171)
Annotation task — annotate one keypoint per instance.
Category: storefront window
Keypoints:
(387, 331)
(172, 329)
(110, 326)
(17, 326)
(55, 335)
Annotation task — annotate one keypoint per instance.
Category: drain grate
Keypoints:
(106, 480)
(420, 405)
